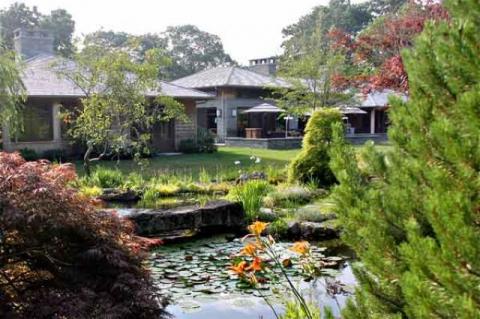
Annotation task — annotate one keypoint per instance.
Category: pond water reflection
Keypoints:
(195, 276)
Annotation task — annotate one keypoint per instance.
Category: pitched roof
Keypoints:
(378, 98)
(40, 79)
(229, 76)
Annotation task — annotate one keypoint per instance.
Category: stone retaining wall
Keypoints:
(268, 143)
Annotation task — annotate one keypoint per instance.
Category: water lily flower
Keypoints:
(257, 228)
(256, 265)
(301, 247)
(252, 157)
(239, 269)
(237, 162)
(258, 160)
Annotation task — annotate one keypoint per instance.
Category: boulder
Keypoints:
(312, 231)
(215, 217)
(119, 195)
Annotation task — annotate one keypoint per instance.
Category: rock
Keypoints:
(267, 215)
(215, 217)
(311, 231)
(252, 176)
(119, 195)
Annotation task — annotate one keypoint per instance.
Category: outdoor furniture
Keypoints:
(253, 132)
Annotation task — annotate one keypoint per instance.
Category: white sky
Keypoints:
(248, 28)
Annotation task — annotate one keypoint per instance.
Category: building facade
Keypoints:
(48, 94)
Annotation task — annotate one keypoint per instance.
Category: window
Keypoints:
(37, 123)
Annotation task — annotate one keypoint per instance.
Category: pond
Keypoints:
(196, 278)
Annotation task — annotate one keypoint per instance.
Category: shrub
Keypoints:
(312, 163)
(205, 141)
(291, 195)
(278, 228)
(412, 214)
(57, 155)
(107, 178)
(188, 146)
(251, 195)
(60, 257)
(29, 154)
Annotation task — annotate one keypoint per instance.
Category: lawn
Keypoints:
(221, 163)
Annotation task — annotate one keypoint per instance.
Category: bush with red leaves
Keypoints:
(62, 258)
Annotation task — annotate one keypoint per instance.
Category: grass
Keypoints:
(221, 163)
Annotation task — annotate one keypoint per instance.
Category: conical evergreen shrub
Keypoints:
(413, 214)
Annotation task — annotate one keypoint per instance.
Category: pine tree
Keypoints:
(413, 213)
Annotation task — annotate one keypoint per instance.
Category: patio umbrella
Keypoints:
(264, 108)
(351, 110)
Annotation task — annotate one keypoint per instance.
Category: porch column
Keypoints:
(372, 121)
(7, 142)
(57, 128)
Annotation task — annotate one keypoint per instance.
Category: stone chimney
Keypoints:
(265, 66)
(30, 43)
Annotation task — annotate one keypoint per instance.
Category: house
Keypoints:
(47, 93)
(366, 118)
(237, 90)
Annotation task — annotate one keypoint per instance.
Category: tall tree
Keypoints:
(62, 26)
(12, 91)
(311, 76)
(412, 214)
(193, 50)
(340, 14)
(58, 22)
(116, 113)
(375, 52)
(383, 7)
(18, 15)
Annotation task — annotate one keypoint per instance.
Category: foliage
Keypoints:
(59, 22)
(29, 154)
(375, 52)
(188, 146)
(204, 142)
(250, 194)
(312, 163)
(193, 50)
(278, 228)
(116, 114)
(310, 75)
(12, 90)
(341, 14)
(190, 49)
(319, 211)
(106, 178)
(411, 214)
(54, 155)
(259, 256)
(384, 7)
(60, 256)
(293, 194)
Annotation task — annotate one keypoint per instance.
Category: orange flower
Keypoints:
(256, 265)
(257, 228)
(301, 247)
(240, 268)
(249, 250)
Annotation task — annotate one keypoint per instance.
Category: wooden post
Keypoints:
(57, 128)
(372, 121)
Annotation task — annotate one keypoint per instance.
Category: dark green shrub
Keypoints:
(29, 154)
(205, 141)
(312, 163)
(57, 155)
(188, 146)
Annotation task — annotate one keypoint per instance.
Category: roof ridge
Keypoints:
(232, 68)
(184, 87)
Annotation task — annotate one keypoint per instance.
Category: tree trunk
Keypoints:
(87, 162)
